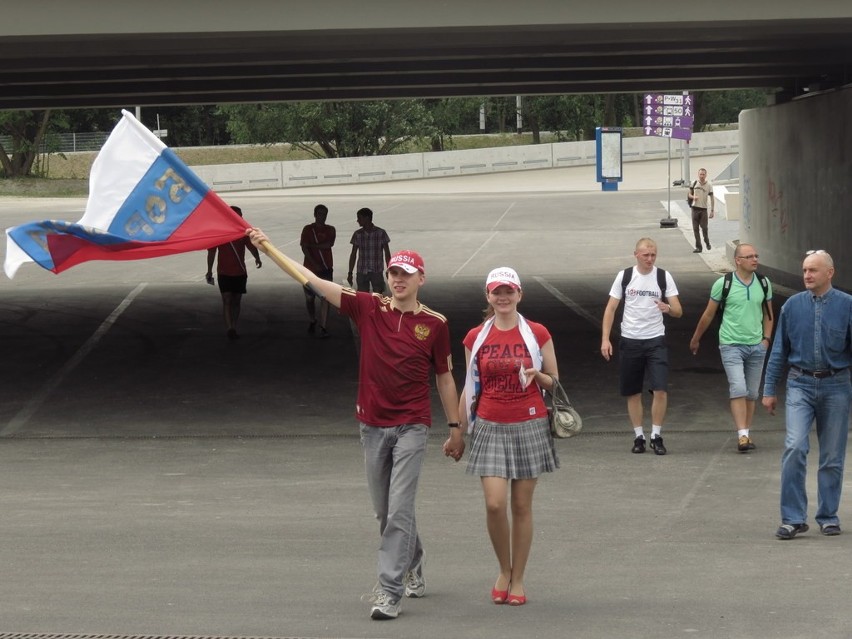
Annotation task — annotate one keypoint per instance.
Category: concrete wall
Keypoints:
(796, 171)
(278, 175)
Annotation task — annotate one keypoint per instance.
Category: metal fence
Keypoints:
(65, 142)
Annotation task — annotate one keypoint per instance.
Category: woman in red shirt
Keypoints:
(509, 361)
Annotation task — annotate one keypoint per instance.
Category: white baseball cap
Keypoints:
(502, 276)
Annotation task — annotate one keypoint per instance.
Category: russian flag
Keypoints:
(143, 202)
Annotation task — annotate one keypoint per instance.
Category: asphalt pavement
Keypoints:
(159, 480)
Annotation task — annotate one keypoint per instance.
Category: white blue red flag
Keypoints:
(143, 202)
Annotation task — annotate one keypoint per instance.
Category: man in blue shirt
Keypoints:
(814, 339)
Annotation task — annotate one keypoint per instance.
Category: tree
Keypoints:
(332, 129)
(452, 116)
(567, 117)
(723, 107)
(192, 125)
(541, 113)
(89, 120)
(189, 125)
(27, 130)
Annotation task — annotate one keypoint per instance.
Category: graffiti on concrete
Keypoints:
(777, 207)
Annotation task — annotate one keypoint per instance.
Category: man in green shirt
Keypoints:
(744, 335)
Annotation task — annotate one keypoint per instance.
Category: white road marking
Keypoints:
(29, 409)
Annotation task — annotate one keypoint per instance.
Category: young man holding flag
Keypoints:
(402, 341)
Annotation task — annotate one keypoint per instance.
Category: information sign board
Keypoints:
(668, 115)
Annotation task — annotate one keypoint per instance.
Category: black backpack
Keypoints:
(691, 190)
(726, 288)
(661, 282)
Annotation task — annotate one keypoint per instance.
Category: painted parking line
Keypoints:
(485, 243)
(34, 403)
(579, 310)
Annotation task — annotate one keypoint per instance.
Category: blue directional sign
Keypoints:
(668, 115)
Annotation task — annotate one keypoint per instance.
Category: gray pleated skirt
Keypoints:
(522, 450)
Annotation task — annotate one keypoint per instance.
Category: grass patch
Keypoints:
(68, 173)
(44, 187)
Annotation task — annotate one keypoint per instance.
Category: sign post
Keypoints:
(668, 116)
(684, 166)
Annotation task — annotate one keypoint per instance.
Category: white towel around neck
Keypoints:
(472, 382)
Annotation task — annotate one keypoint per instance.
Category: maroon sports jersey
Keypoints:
(399, 351)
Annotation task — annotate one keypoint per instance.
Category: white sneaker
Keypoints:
(384, 607)
(415, 585)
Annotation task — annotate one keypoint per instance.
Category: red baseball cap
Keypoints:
(408, 261)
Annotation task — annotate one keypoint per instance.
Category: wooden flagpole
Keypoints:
(286, 265)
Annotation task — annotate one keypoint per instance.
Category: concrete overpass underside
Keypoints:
(59, 54)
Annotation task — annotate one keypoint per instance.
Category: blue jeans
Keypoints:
(393, 457)
(743, 365)
(828, 402)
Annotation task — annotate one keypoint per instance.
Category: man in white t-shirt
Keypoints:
(642, 346)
